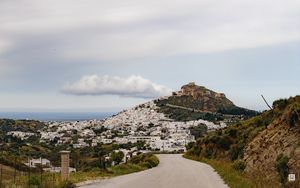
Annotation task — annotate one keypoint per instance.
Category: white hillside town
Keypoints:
(139, 124)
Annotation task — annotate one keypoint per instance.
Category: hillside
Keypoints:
(280, 139)
(150, 127)
(194, 102)
(199, 110)
(267, 145)
(7, 125)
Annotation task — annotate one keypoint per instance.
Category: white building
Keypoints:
(38, 162)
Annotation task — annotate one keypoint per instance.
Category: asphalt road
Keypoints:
(174, 171)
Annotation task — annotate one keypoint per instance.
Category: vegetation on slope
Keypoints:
(135, 164)
(229, 143)
(265, 146)
(89, 161)
(7, 125)
(15, 151)
(52, 180)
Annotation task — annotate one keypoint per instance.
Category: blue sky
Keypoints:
(108, 55)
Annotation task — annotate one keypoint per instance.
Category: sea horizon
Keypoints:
(55, 116)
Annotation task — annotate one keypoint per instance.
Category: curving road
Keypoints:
(174, 171)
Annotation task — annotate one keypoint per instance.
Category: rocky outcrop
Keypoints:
(197, 92)
(200, 101)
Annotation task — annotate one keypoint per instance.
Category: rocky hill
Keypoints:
(197, 102)
(267, 145)
(190, 106)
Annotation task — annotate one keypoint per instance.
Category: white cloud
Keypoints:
(132, 86)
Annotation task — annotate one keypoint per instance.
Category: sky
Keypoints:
(107, 55)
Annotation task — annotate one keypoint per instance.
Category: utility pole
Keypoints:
(266, 102)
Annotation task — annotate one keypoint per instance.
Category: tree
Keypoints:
(282, 167)
(117, 157)
(101, 152)
(198, 131)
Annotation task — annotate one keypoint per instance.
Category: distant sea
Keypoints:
(56, 116)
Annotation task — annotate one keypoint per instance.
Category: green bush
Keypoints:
(146, 164)
(236, 150)
(233, 132)
(208, 153)
(224, 143)
(67, 184)
(199, 130)
(239, 165)
(281, 165)
(152, 160)
(117, 157)
(34, 181)
(147, 160)
(280, 103)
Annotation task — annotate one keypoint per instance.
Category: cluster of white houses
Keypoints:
(140, 124)
(20, 134)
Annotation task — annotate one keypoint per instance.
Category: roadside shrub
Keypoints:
(197, 150)
(198, 131)
(136, 159)
(152, 160)
(233, 132)
(34, 181)
(236, 150)
(189, 145)
(117, 157)
(147, 160)
(281, 165)
(224, 143)
(239, 165)
(67, 184)
(208, 153)
(146, 164)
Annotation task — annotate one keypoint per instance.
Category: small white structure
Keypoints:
(38, 162)
(292, 177)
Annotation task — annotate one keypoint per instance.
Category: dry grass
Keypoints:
(237, 179)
